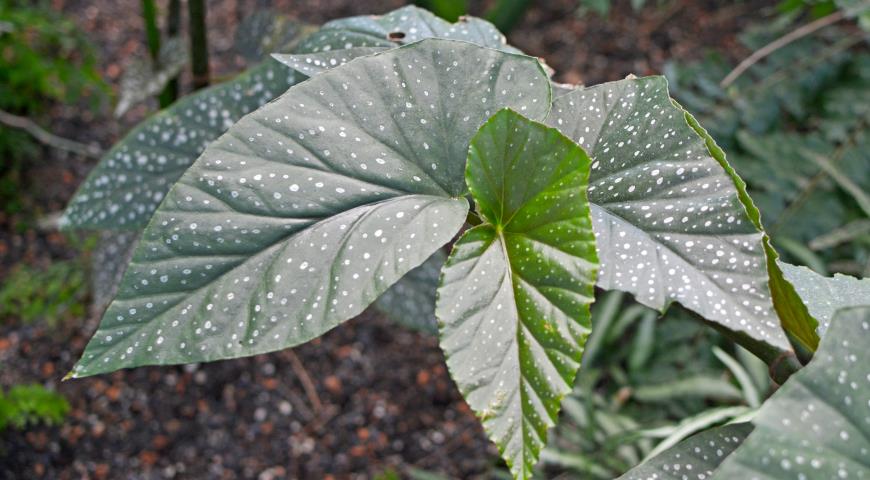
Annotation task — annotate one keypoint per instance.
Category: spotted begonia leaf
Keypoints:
(340, 41)
(411, 300)
(823, 296)
(794, 317)
(513, 304)
(817, 425)
(667, 217)
(402, 26)
(695, 457)
(132, 178)
(305, 211)
(312, 64)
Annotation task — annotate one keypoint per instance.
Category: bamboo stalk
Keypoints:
(196, 12)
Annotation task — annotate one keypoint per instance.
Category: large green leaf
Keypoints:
(131, 180)
(133, 177)
(309, 208)
(668, 220)
(823, 296)
(695, 457)
(793, 315)
(817, 424)
(513, 305)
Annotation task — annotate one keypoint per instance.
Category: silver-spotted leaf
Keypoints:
(132, 178)
(667, 217)
(513, 304)
(823, 296)
(402, 26)
(340, 41)
(695, 457)
(308, 209)
(817, 425)
(311, 64)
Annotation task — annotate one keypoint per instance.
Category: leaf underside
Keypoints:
(695, 457)
(308, 209)
(823, 296)
(513, 305)
(667, 217)
(816, 425)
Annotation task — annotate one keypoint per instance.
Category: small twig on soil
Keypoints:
(780, 42)
(307, 384)
(46, 137)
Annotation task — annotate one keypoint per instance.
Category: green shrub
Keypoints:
(25, 405)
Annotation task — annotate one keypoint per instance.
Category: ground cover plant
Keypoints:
(264, 225)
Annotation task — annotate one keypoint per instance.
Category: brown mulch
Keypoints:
(381, 396)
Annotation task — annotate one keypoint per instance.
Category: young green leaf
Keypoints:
(816, 424)
(308, 209)
(513, 305)
(695, 457)
(668, 220)
(823, 296)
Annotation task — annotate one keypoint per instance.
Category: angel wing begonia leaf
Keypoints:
(513, 304)
(816, 425)
(668, 220)
(311, 207)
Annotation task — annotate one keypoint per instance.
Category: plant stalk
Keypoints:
(152, 33)
(196, 12)
(173, 24)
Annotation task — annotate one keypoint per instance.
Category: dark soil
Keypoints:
(366, 398)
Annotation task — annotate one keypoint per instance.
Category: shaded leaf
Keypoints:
(668, 219)
(816, 424)
(263, 32)
(132, 178)
(695, 457)
(703, 386)
(143, 78)
(311, 207)
(823, 296)
(513, 305)
(411, 300)
(108, 263)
